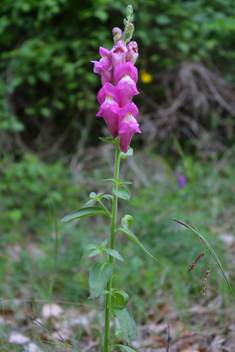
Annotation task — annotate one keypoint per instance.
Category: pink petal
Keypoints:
(125, 69)
(118, 53)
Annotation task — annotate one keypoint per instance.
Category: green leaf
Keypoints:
(116, 275)
(126, 321)
(105, 292)
(127, 221)
(108, 179)
(89, 202)
(119, 299)
(84, 212)
(99, 276)
(118, 333)
(95, 252)
(99, 195)
(86, 248)
(109, 197)
(122, 192)
(127, 154)
(103, 244)
(108, 139)
(125, 348)
(136, 240)
(114, 253)
(124, 182)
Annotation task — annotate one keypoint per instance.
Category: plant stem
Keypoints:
(112, 239)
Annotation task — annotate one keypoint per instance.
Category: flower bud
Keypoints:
(132, 53)
(129, 29)
(129, 10)
(117, 34)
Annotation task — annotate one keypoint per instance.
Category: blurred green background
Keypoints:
(51, 158)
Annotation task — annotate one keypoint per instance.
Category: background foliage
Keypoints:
(47, 88)
(51, 159)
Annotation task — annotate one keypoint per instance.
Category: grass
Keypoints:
(27, 258)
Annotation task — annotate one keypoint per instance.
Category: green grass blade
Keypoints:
(212, 252)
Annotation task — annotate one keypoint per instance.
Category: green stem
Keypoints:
(104, 207)
(112, 239)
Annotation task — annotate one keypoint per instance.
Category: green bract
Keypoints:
(108, 139)
(127, 154)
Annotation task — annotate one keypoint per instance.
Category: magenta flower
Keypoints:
(104, 67)
(118, 54)
(108, 90)
(132, 53)
(108, 111)
(108, 97)
(126, 69)
(128, 124)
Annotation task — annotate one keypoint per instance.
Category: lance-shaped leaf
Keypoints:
(113, 253)
(108, 139)
(119, 299)
(95, 252)
(84, 213)
(103, 244)
(125, 348)
(127, 154)
(126, 321)
(99, 276)
(109, 197)
(122, 192)
(124, 182)
(108, 179)
(136, 240)
(86, 248)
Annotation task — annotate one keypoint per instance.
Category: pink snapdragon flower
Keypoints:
(125, 77)
(132, 53)
(126, 69)
(118, 53)
(108, 98)
(104, 67)
(108, 111)
(128, 124)
(108, 90)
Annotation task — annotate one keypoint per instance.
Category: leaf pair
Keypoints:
(98, 197)
(101, 248)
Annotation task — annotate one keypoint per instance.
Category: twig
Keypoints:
(35, 321)
(168, 336)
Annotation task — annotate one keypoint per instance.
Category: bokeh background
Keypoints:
(51, 158)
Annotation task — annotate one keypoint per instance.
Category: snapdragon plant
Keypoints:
(119, 77)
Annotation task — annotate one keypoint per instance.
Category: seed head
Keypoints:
(192, 265)
(205, 279)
